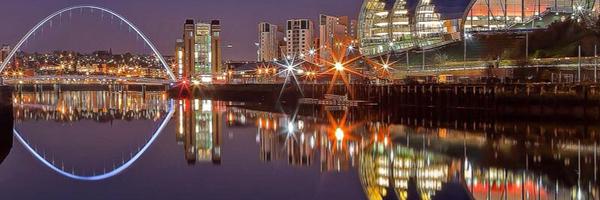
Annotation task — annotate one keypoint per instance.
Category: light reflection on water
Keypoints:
(394, 155)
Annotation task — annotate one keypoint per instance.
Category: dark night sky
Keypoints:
(160, 20)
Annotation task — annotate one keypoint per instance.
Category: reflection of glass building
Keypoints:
(199, 130)
(385, 172)
(394, 26)
(501, 14)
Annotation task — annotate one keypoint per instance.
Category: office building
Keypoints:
(178, 59)
(269, 37)
(201, 45)
(331, 30)
(189, 43)
(216, 56)
(299, 37)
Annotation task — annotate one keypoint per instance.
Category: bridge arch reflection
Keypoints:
(104, 175)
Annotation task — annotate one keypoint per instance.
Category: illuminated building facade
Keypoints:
(399, 25)
(331, 29)
(4, 51)
(216, 56)
(268, 42)
(299, 37)
(178, 59)
(201, 50)
(431, 29)
(189, 42)
(507, 14)
(384, 26)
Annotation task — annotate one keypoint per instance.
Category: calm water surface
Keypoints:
(133, 145)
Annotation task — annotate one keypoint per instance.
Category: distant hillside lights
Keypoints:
(72, 63)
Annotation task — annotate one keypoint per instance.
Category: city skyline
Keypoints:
(300, 99)
(232, 14)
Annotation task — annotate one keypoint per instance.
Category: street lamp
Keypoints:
(339, 134)
(339, 66)
(311, 52)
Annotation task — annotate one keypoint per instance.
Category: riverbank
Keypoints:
(87, 87)
(530, 100)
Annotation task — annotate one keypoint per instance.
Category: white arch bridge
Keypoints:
(60, 12)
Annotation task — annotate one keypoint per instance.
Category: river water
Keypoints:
(134, 145)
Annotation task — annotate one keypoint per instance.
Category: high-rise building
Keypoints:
(4, 51)
(178, 59)
(331, 30)
(268, 42)
(282, 48)
(299, 37)
(215, 34)
(201, 47)
(353, 29)
(189, 43)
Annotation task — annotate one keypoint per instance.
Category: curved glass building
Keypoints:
(384, 26)
(483, 15)
(432, 28)
(398, 25)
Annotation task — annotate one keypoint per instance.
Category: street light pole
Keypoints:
(465, 52)
(579, 64)
(423, 66)
(407, 60)
(526, 46)
(595, 63)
